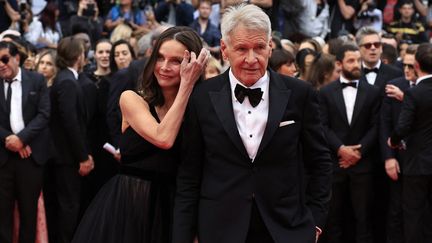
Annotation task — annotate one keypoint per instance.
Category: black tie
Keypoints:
(412, 84)
(8, 94)
(368, 70)
(350, 84)
(253, 94)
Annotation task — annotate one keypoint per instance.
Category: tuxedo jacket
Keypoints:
(363, 127)
(124, 79)
(36, 115)
(390, 110)
(68, 119)
(217, 182)
(415, 127)
(385, 73)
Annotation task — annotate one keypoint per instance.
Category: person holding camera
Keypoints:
(126, 13)
(8, 13)
(88, 15)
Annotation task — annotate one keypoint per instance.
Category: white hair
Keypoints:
(247, 15)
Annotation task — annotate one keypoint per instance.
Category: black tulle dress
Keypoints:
(136, 205)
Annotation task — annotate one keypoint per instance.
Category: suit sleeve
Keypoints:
(406, 118)
(332, 139)
(386, 127)
(67, 100)
(318, 159)
(369, 140)
(188, 180)
(41, 120)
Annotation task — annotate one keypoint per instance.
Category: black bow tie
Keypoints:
(368, 70)
(350, 84)
(253, 94)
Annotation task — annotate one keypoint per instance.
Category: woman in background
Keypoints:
(322, 71)
(283, 62)
(46, 65)
(136, 205)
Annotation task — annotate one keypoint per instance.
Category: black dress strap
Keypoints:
(154, 113)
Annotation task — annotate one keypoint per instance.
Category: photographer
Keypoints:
(126, 13)
(8, 13)
(88, 15)
(369, 15)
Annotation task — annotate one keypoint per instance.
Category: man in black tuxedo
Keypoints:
(373, 70)
(415, 128)
(378, 74)
(349, 111)
(393, 158)
(248, 135)
(124, 79)
(24, 136)
(68, 128)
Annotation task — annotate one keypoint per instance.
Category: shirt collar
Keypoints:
(378, 65)
(75, 73)
(423, 78)
(262, 83)
(18, 77)
(344, 80)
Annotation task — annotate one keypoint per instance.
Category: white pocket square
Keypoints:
(286, 123)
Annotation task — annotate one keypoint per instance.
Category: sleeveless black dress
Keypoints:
(136, 205)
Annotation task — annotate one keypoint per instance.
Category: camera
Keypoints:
(90, 10)
(23, 9)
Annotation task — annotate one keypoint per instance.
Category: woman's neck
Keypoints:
(101, 71)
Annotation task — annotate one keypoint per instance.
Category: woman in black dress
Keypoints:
(136, 205)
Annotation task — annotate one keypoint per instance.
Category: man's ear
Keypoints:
(223, 48)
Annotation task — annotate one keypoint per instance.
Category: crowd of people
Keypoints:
(208, 121)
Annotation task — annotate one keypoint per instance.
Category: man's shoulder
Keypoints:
(398, 82)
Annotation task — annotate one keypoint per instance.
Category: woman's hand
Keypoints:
(192, 67)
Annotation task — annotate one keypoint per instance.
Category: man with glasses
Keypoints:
(24, 140)
(374, 71)
(414, 128)
(394, 159)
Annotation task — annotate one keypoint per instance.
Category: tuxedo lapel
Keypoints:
(359, 102)
(340, 101)
(25, 87)
(2, 96)
(278, 100)
(222, 103)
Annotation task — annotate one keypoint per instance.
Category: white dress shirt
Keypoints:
(371, 77)
(251, 121)
(75, 73)
(350, 95)
(16, 116)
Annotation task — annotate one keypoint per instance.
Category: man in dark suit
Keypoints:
(124, 79)
(349, 111)
(373, 70)
(415, 128)
(378, 74)
(68, 128)
(393, 158)
(24, 136)
(248, 135)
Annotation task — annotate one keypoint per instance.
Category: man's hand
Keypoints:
(394, 92)
(25, 152)
(13, 143)
(392, 168)
(86, 166)
(349, 155)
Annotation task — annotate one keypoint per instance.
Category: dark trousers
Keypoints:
(62, 189)
(351, 192)
(416, 195)
(21, 181)
(394, 213)
(258, 232)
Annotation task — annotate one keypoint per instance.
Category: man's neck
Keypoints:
(406, 20)
(370, 64)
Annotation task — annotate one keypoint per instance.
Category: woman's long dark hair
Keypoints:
(48, 16)
(149, 87)
(113, 64)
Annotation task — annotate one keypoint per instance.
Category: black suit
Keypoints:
(354, 183)
(415, 127)
(385, 74)
(218, 185)
(390, 110)
(21, 179)
(124, 79)
(68, 128)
